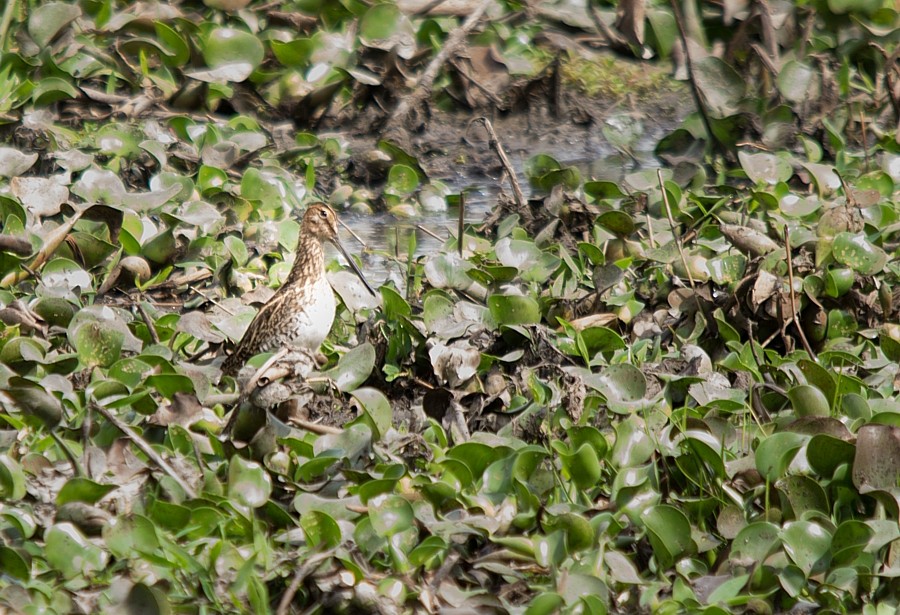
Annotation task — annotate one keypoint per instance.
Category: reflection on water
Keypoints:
(387, 237)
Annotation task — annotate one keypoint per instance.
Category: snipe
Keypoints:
(300, 314)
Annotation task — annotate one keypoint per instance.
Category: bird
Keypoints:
(300, 313)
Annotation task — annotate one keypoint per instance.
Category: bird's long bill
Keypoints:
(353, 266)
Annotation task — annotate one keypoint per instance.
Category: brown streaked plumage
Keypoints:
(300, 313)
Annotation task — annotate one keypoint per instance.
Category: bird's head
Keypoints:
(320, 222)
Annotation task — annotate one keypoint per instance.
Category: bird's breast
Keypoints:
(310, 322)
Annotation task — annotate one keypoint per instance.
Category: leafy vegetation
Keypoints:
(660, 390)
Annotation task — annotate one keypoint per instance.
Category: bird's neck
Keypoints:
(309, 261)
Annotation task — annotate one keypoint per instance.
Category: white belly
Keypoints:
(310, 326)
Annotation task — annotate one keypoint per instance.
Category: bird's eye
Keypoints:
(323, 213)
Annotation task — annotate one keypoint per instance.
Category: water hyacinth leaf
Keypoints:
(146, 600)
(721, 88)
(826, 453)
(728, 269)
(514, 309)
(603, 190)
(617, 222)
(728, 590)
(765, 168)
(448, 270)
(808, 544)
(849, 540)
(796, 80)
(587, 588)
(390, 514)
(97, 344)
(376, 408)
(41, 196)
(353, 368)
(237, 51)
(838, 282)
(403, 179)
(803, 494)
(517, 253)
(546, 603)
(877, 462)
(321, 529)
(14, 163)
(808, 400)
(856, 251)
(755, 543)
(13, 564)
(169, 384)
(96, 185)
(126, 536)
(825, 177)
(539, 165)
(633, 445)
(177, 51)
(776, 452)
(80, 489)
(669, 532)
(622, 569)
(248, 482)
(34, 400)
(12, 479)
(384, 26)
(621, 382)
(582, 465)
(47, 20)
(69, 552)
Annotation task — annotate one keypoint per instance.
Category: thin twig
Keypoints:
(211, 300)
(790, 264)
(70, 456)
(316, 428)
(865, 138)
(429, 232)
(695, 89)
(148, 321)
(495, 144)
(142, 444)
(675, 235)
(49, 246)
(302, 572)
(460, 224)
(768, 30)
(425, 83)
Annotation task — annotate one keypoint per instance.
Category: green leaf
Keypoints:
(669, 532)
(79, 489)
(248, 482)
(376, 408)
(808, 400)
(808, 545)
(68, 551)
(856, 251)
(321, 530)
(353, 368)
(514, 309)
(12, 479)
(775, 453)
(390, 515)
(47, 20)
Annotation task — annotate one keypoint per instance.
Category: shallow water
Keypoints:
(386, 236)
